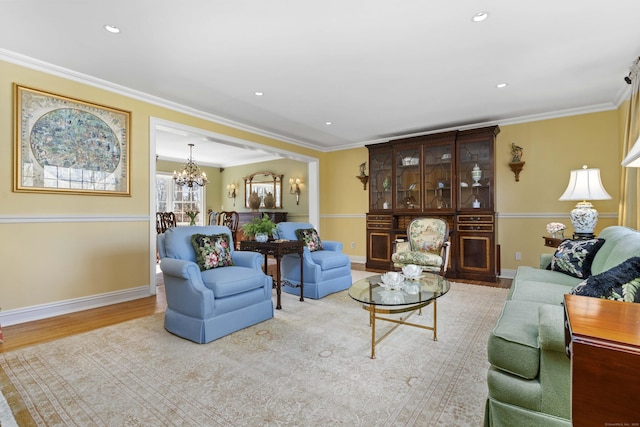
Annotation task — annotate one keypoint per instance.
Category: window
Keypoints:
(173, 198)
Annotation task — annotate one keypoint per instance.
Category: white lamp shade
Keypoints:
(633, 157)
(585, 184)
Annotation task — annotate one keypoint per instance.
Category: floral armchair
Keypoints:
(212, 290)
(427, 246)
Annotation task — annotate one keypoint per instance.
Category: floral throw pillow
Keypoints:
(310, 238)
(620, 283)
(574, 257)
(212, 251)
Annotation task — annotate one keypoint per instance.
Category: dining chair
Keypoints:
(229, 219)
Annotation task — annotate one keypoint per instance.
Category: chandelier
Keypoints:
(190, 174)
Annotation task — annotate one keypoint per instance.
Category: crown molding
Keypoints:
(48, 68)
(45, 67)
(597, 108)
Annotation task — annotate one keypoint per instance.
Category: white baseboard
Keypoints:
(507, 274)
(358, 259)
(43, 311)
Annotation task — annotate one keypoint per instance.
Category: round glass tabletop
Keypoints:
(427, 287)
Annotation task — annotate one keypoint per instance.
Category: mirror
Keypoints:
(264, 183)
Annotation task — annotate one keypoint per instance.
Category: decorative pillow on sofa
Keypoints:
(574, 257)
(212, 251)
(621, 283)
(310, 238)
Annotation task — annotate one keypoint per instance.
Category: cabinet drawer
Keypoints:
(380, 221)
(379, 225)
(465, 219)
(386, 218)
(476, 227)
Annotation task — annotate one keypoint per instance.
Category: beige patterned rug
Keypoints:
(308, 366)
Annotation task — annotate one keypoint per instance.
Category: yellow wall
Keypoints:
(343, 201)
(552, 148)
(58, 247)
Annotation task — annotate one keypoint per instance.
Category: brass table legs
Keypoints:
(411, 309)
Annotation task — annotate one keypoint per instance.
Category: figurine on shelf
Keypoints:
(516, 153)
(363, 167)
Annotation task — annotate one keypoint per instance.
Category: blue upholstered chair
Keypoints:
(205, 305)
(325, 271)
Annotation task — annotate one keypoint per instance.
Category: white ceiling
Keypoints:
(374, 68)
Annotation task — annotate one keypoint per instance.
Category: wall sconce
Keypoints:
(231, 193)
(294, 188)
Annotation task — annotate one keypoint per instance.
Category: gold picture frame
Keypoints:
(64, 145)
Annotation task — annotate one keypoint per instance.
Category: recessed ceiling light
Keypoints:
(328, 123)
(501, 85)
(480, 16)
(258, 93)
(112, 29)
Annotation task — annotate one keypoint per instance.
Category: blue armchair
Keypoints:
(205, 305)
(325, 271)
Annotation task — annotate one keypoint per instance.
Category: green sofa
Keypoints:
(529, 379)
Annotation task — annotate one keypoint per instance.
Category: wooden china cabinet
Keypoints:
(449, 175)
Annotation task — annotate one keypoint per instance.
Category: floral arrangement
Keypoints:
(192, 216)
(555, 227)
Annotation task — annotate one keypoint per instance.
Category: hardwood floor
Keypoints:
(40, 331)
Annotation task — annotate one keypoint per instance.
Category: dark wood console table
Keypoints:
(603, 341)
(277, 248)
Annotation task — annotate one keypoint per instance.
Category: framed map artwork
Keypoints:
(63, 145)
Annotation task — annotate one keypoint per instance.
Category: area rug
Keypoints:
(308, 366)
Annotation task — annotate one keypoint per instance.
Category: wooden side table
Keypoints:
(552, 242)
(277, 249)
(603, 341)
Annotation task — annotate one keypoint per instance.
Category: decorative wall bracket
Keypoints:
(516, 167)
(363, 179)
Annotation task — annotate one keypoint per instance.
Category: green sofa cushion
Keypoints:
(621, 243)
(513, 343)
(545, 292)
(534, 284)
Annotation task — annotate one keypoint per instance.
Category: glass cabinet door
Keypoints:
(408, 190)
(438, 177)
(380, 178)
(476, 175)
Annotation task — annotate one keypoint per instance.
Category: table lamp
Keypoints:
(584, 185)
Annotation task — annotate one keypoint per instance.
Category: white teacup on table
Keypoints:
(411, 271)
(392, 280)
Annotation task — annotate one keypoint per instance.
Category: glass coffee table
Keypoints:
(413, 296)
